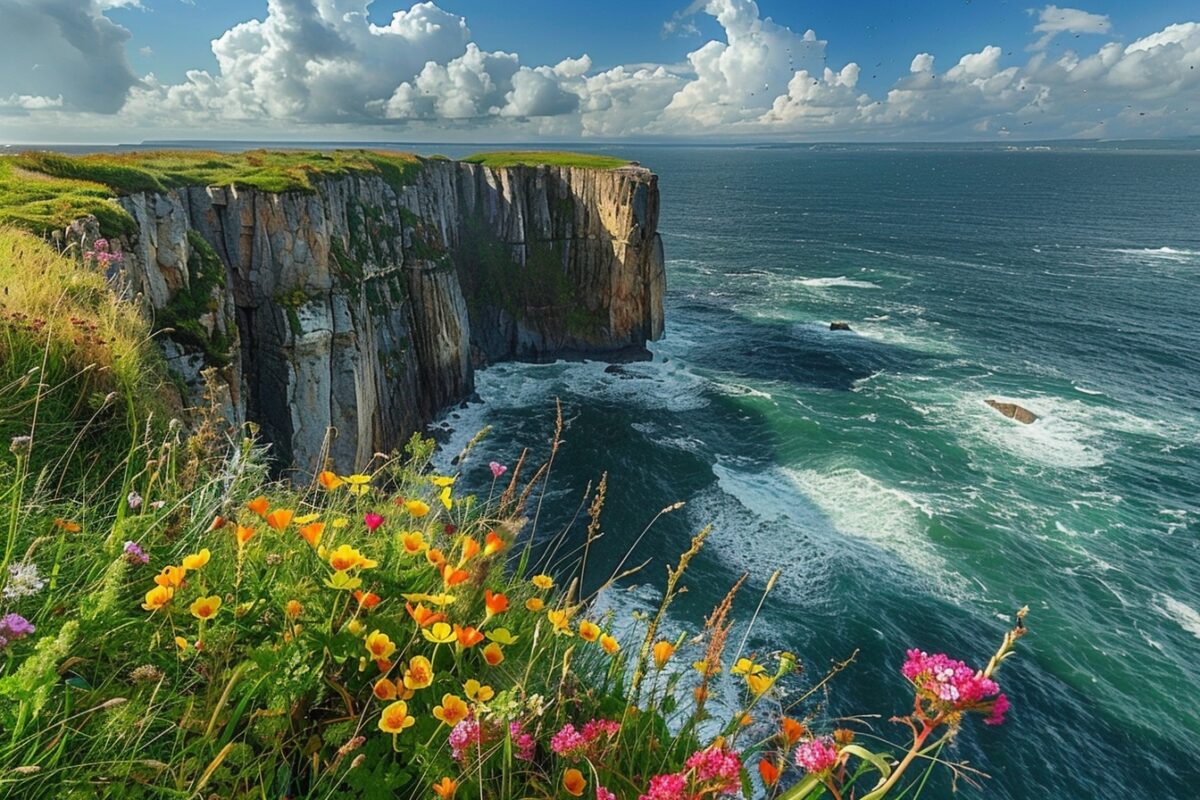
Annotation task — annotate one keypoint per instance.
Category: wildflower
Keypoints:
(384, 689)
(610, 645)
(561, 620)
(67, 525)
(312, 532)
(183, 644)
(395, 718)
(604, 794)
(340, 522)
(817, 756)
(280, 518)
(535, 604)
(542, 581)
(134, 500)
(492, 544)
(422, 615)
(356, 627)
(769, 772)
(435, 557)
(790, 732)
(759, 683)
(574, 782)
(134, 554)
(477, 692)
(493, 654)
(464, 735)
(950, 685)
(413, 543)
(346, 557)
(442, 599)
(523, 742)
(439, 633)
(158, 597)
(670, 786)
(217, 523)
(418, 508)
(379, 645)
(589, 631)
(843, 736)
(468, 636)
(452, 710)
(244, 534)
(329, 480)
(444, 497)
(293, 608)
(372, 521)
(445, 788)
(157, 505)
(146, 673)
(663, 650)
(305, 519)
(745, 666)
(21, 445)
(419, 673)
(196, 560)
(718, 768)
(170, 576)
(999, 708)
(502, 636)
(470, 548)
(259, 506)
(13, 627)
(452, 576)
(358, 484)
(497, 469)
(23, 580)
(495, 603)
(367, 600)
(442, 481)
(203, 608)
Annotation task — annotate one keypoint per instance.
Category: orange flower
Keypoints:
(492, 544)
(413, 542)
(452, 710)
(496, 603)
(395, 718)
(542, 581)
(379, 645)
(217, 523)
(589, 631)
(470, 548)
(468, 636)
(663, 650)
(610, 645)
(445, 788)
(769, 772)
(158, 597)
(791, 732)
(493, 654)
(293, 608)
(196, 560)
(203, 608)
(535, 604)
(280, 518)
(419, 673)
(170, 577)
(311, 532)
(244, 534)
(452, 576)
(574, 782)
(259, 505)
(329, 480)
(384, 689)
(422, 615)
(435, 557)
(367, 600)
(346, 557)
(67, 525)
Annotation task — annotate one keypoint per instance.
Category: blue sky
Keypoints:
(653, 69)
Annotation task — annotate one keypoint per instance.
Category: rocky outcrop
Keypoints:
(366, 305)
(839, 326)
(1013, 411)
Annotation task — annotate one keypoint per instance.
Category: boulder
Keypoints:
(1014, 411)
(839, 326)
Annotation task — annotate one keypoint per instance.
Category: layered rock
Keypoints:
(365, 306)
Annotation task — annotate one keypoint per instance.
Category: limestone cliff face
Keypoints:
(365, 306)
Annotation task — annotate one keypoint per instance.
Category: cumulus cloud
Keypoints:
(1053, 20)
(65, 49)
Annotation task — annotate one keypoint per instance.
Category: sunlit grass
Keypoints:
(553, 158)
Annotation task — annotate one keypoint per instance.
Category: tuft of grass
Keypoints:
(553, 158)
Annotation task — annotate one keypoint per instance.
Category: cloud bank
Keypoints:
(322, 65)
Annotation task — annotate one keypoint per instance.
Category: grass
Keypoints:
(553, 158)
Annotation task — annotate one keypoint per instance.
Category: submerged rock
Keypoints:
(1013, 411)
(839, 326)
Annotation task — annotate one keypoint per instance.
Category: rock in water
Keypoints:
(839, 326)
(1013, 411)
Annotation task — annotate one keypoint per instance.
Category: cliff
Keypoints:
(366, 303)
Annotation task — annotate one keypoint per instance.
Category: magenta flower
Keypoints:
(498, 469)
(951, 685)
(717, 768)
(999, 707)
(817, 755)
(523, 742)
(593, 739)
(464, 736)
(134, 554)
(604, 794)
(372, 521)
(671, 786)
(568, 741)
(13, 626)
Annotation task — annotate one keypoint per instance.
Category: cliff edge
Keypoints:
(366, 302)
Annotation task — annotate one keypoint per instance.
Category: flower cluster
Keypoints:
(950, 685)
(23, 580)
(103, 253)
(590, 742)
(709, 772)
(818, 755)
(12, 627)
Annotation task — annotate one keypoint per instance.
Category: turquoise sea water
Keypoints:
(866, 465)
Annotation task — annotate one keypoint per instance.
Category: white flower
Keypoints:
(23, 580)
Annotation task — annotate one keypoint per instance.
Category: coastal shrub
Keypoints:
(192, 630)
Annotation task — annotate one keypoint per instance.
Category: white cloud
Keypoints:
(1053, 20)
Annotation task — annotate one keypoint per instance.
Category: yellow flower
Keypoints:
(413, 543)
(745, 666)
(395, 718)
(356, 627)
(758, 682)
(479, 693)
(384, 689)
(357, 479)
(196, 560)
(171, 577)
(493, 654)
(442, 480)
(439, 633)
(340, 522)
(346, 557)
(502, 636)
(535, 604)
(542, 581)
(418, 508)
(379, 645)
(574, 782)
(158, 597)
(433, 599)
(293, 608)
(329, 480)
(589, 631)
(610, 645)
(444, 496)
(452, 711)
(419, 673)
(663, 650)
(205, 607)
(304, 519)
(561, 620)
(182, 643)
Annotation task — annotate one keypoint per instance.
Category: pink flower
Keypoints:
(593, 739)
(817, 755)
(498, 469)
(523, 742)
(942, 679)
(463, 736)
(718, 769)
(671, 786)
(604, 794)
(999, 707)
(568, 741)
(372, 521)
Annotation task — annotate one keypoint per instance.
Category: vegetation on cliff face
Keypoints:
(553, 158)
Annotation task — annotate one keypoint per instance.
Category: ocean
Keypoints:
(903, 511)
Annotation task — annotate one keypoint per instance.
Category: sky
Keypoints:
(125, 71)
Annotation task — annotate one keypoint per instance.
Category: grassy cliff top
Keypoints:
(44, 191)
